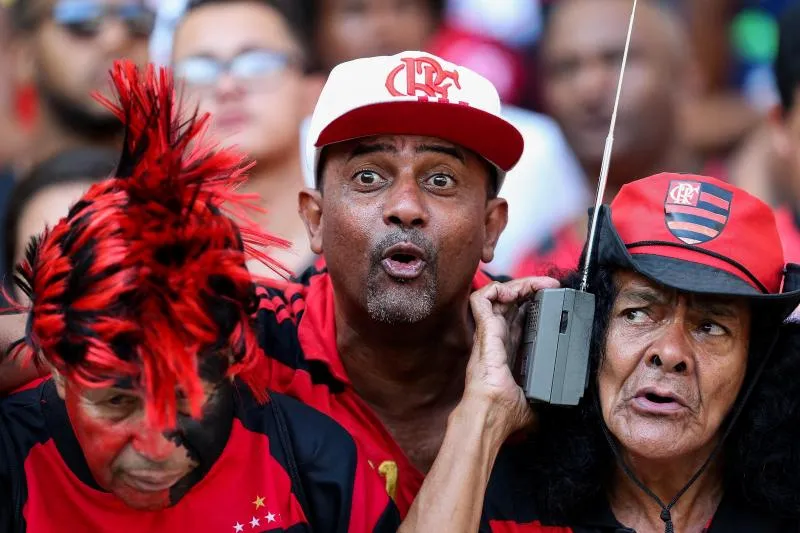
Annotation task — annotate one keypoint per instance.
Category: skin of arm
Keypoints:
(492, 408)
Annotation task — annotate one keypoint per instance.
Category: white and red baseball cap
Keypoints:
(413, 93)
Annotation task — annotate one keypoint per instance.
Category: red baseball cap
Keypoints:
(696, 234)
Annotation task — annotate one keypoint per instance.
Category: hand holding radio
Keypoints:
(499, 318)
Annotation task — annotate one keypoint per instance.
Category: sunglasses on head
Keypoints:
(85, 18)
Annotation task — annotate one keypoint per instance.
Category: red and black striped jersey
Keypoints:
(308, 478)
(296, 330)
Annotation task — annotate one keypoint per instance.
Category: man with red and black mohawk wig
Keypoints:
(157, 417)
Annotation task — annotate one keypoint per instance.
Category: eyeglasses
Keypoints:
(85, 18)
(252, 66)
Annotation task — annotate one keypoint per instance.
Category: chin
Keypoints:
(656, 441)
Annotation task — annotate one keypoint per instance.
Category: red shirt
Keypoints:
(561, 251)
(297, 331)
(253, 486)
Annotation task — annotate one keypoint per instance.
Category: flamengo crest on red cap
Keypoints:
(696, 212)
(425, 78)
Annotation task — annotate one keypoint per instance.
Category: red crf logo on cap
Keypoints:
(424, 78)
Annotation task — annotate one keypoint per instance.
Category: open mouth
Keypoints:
(651, 401)
(404, 261)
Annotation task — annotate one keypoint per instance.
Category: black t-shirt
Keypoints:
(508, 509)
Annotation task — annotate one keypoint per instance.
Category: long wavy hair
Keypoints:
(572, 463)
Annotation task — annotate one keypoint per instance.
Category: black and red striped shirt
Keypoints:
(46, 486)
(296, 330)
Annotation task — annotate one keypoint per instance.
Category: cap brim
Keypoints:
(683, 275)
(488, 135)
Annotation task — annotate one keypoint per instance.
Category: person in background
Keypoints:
(784, 128)
(582, 52)
(39, 200)
(65, 49)
(547, 187)
(45, 194)
(245, 62)
(11, 132)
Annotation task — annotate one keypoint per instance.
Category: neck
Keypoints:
(665, 479)
(277, 186)
(51, 137)
(403, 371)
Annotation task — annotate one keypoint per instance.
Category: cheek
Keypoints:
(619, 363)
(720, 383)
(352, 226)
(101, 442)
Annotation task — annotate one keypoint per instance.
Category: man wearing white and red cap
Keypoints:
(690, 419)
(409, 152)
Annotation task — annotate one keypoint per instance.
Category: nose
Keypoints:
(153, 445)
(593, 83)
(114, 37)
(227, 87)
(404, 204)
(672, 352)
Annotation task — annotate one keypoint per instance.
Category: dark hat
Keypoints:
(698, 234)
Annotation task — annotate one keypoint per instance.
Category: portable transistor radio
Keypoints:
(554, 361)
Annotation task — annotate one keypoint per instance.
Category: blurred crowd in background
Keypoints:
(706, 92)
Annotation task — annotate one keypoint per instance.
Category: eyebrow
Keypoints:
(718, 308)
(643, 294)
(442, 149)
(371, 148)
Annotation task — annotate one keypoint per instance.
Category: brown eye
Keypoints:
(367, 177)
(441, 181)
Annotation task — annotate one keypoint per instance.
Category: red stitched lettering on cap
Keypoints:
(425, 78)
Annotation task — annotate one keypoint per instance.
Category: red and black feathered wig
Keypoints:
(146, 275)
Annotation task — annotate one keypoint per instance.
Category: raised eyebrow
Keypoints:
(442, 149)
(370, 148)
(722, 309)
(641, 294)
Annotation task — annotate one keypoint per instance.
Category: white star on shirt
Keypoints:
(238, 527)
(255, 522)
(270, 518)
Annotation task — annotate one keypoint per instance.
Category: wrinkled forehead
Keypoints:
(632, 286)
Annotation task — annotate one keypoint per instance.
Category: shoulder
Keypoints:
(21, 418)
(316, 438)
(22, 428)
(312, 435)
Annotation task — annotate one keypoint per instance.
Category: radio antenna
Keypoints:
(601, 185)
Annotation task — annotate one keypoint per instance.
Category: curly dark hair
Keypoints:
(572, 462)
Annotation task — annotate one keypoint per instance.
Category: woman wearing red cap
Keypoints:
(689, 419)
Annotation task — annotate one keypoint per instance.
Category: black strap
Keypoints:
(291, 462)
